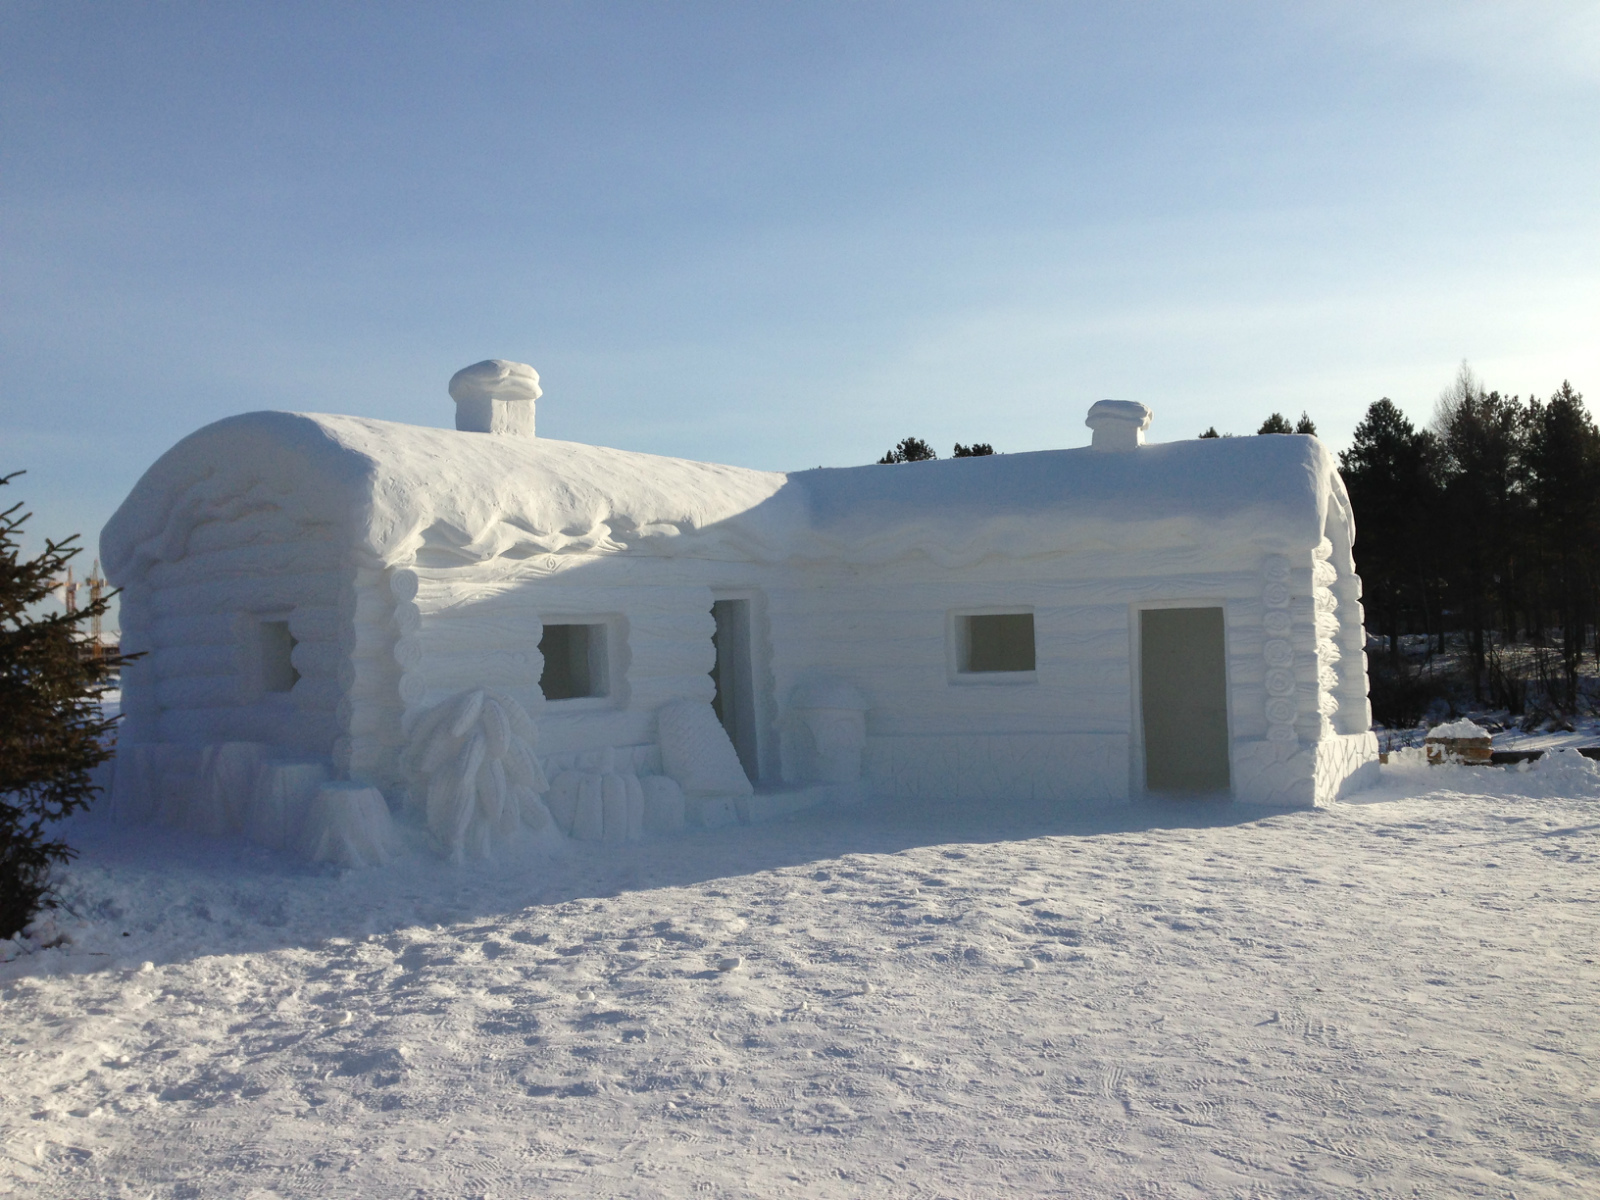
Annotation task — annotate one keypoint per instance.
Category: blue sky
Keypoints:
(781, 235)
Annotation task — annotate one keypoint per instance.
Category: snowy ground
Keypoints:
(1388, 998)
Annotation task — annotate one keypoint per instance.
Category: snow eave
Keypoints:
(400, 494)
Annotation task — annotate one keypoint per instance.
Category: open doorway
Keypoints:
(1183, 695)
(733, 673)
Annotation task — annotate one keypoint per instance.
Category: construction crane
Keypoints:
(96, 583)
(97, 589)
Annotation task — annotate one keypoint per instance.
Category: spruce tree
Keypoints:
(1388, 471)
(52, 730)
(1482, 536)
(1563, 481)
(911, 449)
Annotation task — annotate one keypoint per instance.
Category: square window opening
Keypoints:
(996, 642)
(574, 662)
(278, 672)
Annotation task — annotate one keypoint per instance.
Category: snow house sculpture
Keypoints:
(488, 626)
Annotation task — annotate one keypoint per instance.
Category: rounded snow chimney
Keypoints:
(1118, 424)
(495, 396)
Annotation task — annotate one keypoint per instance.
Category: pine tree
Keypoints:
(1211, 432)
(1388, 471)
(52, 732)
(1276, 423)
(910, 449)
(1563, 482)
(976, 450)
(1482, 437)
(1305, 424)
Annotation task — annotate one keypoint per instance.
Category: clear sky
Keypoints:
(782, 234)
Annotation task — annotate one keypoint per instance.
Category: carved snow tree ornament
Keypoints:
(474, 772)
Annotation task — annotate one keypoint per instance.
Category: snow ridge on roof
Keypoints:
(398, 492)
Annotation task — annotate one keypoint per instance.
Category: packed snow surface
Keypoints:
(1394, 997)
(1463, 728)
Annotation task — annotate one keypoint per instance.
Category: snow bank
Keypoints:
(1558, 774)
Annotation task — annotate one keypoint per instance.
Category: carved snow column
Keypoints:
(1283, 707)
(1325, 605)
(368, 747)
(1349, 634)
(495, 396)
(407, 647)
(141, 714)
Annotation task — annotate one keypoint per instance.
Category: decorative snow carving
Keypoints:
(832, 717)
(1281, 710)
(664, 808)
(1282, 707)
(696, 752)
(226, 779)
(1324, 607)
(349, 825)
(1280, 682)
(283, 795)
(598, 806)
(472, 768)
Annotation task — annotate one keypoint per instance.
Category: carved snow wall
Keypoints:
(314, 587)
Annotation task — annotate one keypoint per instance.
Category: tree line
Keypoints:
(1482, 529)
(1485, 526)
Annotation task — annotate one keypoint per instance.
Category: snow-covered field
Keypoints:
(1395, 997)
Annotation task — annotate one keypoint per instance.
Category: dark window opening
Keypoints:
(997, 642)
(278, 672)
(574, 661)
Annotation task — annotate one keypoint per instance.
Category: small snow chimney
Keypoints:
(495, 396)
(1118, 424)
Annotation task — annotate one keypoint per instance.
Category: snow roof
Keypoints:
(399, 492)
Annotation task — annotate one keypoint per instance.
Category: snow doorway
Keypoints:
(733, 674)
(1183, 691)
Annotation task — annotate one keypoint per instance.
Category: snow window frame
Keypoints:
(959, 646)
(275, 642)
(601, 661)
